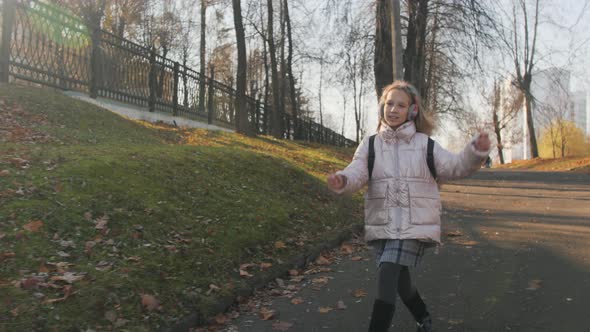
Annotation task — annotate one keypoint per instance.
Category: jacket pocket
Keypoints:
(425, 205)
(376, 213)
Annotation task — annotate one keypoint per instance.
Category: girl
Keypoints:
(402, 203)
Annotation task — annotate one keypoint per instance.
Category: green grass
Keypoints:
(184, 207)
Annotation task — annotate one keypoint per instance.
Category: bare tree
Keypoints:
(383, 61)
(277, 117)
(520, 39)
(505, 106)
(242, 124)
(203, 55)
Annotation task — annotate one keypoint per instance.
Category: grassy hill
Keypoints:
(112, 224)
(569, 164)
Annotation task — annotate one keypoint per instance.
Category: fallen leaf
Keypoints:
(320, 280)
(67, 293)
(346, 249)
(324, 310)
(264, 266)
(244, 273)
(33, 226)
(359, 293)
(220, 319)
(149, 302)
(5, 255)
(68, 277)
(293, 273)
(266, 314)
(88, 246)
(356, 258)
(454, 233)
(534, 284)
(281, 326)
(340, 305)
(323, 261)
(297, 300)
(43, 268)
(280, 245)
(29, 283)
(4, 172)
(101, 223)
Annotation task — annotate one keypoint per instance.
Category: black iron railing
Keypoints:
(45, 44)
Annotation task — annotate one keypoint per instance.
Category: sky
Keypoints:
(564, 38)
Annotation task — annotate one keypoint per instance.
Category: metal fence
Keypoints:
(43, 43)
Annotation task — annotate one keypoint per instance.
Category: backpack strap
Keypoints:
(371, 161)
(430, 157)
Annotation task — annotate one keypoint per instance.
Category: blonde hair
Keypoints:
(422, 122)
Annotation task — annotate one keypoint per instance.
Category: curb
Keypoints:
(257, 282)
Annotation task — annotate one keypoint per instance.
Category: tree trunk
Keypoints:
(497, 99)
(529, 116)
(277, 117)
(414, 56)
(396, 41)
(292, 92)
(202, 54)
(242, 124)
(383, 61)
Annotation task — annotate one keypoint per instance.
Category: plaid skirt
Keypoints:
(407, 252)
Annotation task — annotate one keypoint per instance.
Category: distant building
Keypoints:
(552, 99)
(581, 111)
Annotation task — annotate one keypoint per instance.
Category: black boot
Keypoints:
(425, 325)
(381, 316)
(418, 309)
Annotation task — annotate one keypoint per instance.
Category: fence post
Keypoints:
(210, 96)
(175, 95)
(8, 14)
(94, 62)
(152, 81)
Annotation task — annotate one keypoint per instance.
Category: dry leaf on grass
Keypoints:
(101, 223)
(323, 261)
(244, 273)
(280, 245)
(33, 226)
(324, 310)
(149, 302)
(346, 248)
(67, 293)
(68, 277)
(356, 258)
(264, 266)
(221, 319)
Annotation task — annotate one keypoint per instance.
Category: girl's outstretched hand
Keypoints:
(483, 142)
(336, 181)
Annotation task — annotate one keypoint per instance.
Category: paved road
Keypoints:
(516, 258)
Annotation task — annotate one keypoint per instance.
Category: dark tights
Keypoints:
(395, 279)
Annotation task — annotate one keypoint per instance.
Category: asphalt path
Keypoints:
(516, 257)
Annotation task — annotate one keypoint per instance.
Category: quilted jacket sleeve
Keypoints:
(450, 166)
(357, 173)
